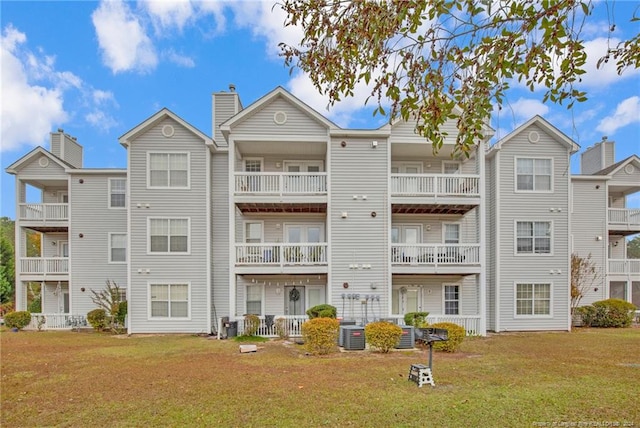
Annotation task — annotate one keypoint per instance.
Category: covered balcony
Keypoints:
(44, 266)
(624, 267)
(44, 217)
(277, 257)
(623, 221)
(435, 258)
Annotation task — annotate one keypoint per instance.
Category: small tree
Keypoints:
(110, 299)
(584, 274)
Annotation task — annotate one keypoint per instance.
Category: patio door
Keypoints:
(253, 166)
(294, 300)
(301, 234)
(302, 183)
(409, 235)
(405, 300)
(406, 184)
(63, 248)
(253, 234)
(450, 185)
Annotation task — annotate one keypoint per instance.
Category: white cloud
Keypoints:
(627, 112)
(124, 43)
(607, 74)
(28, 111)
(178, 59)
(168, 14)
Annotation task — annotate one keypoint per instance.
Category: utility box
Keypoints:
(341, 330)
(407, 340)
(354, 338)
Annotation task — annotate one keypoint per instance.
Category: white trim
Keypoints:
(498, 253)
(110, 180)
(61, 194)
(533, 316)
(403, 165)
(532, 254)
(244, 163)
(444, 301)
(458, 163)
(303, 163)
(444, 229)
(109, 260)
(168, 186)
(169, 283)
(304, 227)
(534, 158)
(210, 305)
(262, 297)
(244, 230)
(168, 252)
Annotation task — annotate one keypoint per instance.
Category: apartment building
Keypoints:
(281, 210)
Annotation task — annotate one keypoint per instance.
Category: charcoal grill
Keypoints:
(419, 373)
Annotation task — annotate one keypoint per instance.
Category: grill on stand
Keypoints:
(419, 373)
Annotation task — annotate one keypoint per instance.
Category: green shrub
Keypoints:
(251, 325)
(416, 319)
(456, 335)
(35, 306)
(19, 319)
(98, 319)
(121, 314)
(383, 335)
(608, 313)
(5, 308)
(320, 335)
(322, 311)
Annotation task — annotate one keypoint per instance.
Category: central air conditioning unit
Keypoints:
(408, 339)
(353, 337)
(341, 330)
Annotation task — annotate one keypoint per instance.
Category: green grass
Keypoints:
(507, 380)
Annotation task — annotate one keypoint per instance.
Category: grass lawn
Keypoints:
(589, 377)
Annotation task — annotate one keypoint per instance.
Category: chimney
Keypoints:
(225, 106)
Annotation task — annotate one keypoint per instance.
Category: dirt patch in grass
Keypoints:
(82, 379)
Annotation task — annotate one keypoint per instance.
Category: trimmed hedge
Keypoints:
(456, 335)
(19, 319)
(320, 335)
(383, 335)
(98, 319)
(416, 319)
(607, 313)
(322, 311)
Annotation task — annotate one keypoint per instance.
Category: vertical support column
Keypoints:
(482, 277)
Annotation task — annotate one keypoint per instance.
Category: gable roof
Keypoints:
(145, 125)
(15, 167)
(278, 92)
(611, 169)
(546, 126)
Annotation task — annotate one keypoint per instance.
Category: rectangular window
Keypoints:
(169, 300)
(533, 299)
(169, 235)
(254, 299)
(117, 247)
(533, 237)
(117, 192)
(451, 300)
(168, 170)
(533, 175)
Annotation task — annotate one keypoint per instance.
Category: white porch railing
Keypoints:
(622, 216)
(435, 254)
(624, 266)
(435, 185)
(44, 212)
(291, 326)
(40, 321)
(281, 183)
(471, 323)
(282, 254)
(44, 265)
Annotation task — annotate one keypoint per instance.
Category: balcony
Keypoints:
(434, 193)
(44, 217)
(278, 256)
(44, 266)
(281, 192)
(435, 258)
(624, 266)
(624, 221)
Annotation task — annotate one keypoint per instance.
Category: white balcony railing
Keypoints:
(44, 212)
(281, 183)
(438, 254)
(282, 325)
(471, 323)
(282, 254)
(622, 216)
(435, 185)
(41, 321)
(624, 266)
(44, 265)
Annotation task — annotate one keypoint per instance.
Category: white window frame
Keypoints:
(110, 255)
(169, 317)
(533, 315)
(534, 190)
(402, 167)
(168, 252)
(444, 230)
(304, 165)
(262, 298)
(111, 180)
(307, 294)
(244, 229)
(533, 253)
(444, 298)
(459, 164)
(168, 186)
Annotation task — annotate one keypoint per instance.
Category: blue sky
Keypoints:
(97, 69)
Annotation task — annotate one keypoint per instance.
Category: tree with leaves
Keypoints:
(440, 60)
(584, 275)
(110, 299)
(633, 248)
(7, 270)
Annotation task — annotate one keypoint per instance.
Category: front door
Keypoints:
(294, 299)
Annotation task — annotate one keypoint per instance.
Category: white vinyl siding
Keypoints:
(451, 300)
(533, 237)
(534, 175)
(117, 248)
(254, 299)
(168, 235)
(533, 299)
(168, 170)
(117, 192)
(169, 301)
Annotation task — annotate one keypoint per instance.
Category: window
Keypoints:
(254, 299)
(168, 170)
(169, 235)
(451, 233)
(117, 247)
(533, 175)
(117, 192)
(533, 237)
(451, 300)
(169, 300)
(533, 299)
